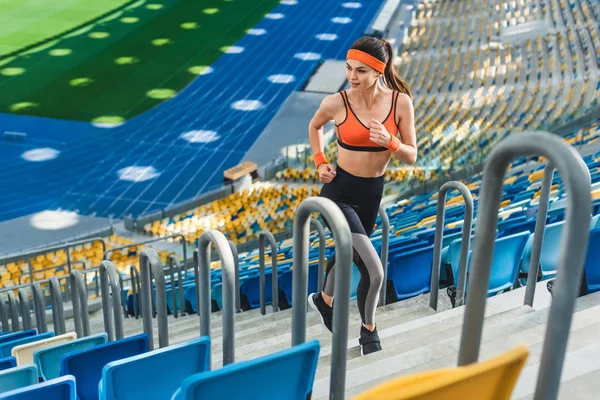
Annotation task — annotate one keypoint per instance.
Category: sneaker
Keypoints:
(316, 302)
(369, 341)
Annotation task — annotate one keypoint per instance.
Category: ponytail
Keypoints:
(390, 76)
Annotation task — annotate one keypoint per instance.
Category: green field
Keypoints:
(126, 63)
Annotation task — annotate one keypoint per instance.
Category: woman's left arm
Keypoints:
(407, 152)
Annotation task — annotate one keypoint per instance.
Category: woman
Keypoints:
(368, 118)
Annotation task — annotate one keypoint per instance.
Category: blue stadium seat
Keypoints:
(550, 251)
(173, 364)
(8, 362)
(410, 272)
(592, 262)
(48, 359)
(285, 281)
(86, 365)
(55, 389)
(6, 347)
(17, 335)
(18, 377)
(262, 377)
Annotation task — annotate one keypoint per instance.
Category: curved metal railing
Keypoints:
(111, 293)
(274, 284)
(150, 264)
(228, 279)
(58, 312)
(385, 248)
(80, 304)
(343, 250)
(25, 309)
(13, 306)
(39, 302)
(236, 262)
(439, 236)
(321, 270)
(576, 178)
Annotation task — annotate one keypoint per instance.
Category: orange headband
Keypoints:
(366, 58)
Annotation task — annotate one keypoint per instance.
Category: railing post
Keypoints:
(174, 263)
(39, 302)
(14, 311)
(111, 290)
(4, 315)
(80, 304)
(58, 313)
(439, 236)
(197, 278)
(228, 278)
(150, 264)
(274, 286)
(136, 291)
(385, 247)
(538, 235)
(343, 249)
(321, 269)
(25, 309)
(236, 264)
(570, 262)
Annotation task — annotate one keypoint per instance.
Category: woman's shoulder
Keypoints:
(332, 102)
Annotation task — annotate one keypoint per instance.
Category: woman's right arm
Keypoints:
(324, 114)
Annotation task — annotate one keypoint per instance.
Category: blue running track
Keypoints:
(179, 149)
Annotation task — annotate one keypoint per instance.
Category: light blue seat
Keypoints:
(168, 367)
(17, 335)
(48, 359)
(410, 272)
(288, 374)
(550, 251)
(86, 365)
(8, 362)
(5, 348)
(592, 262)
(18, 377)
(56, 389)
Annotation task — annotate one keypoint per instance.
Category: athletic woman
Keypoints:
(374, 122)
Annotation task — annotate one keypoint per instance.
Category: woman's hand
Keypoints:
(379, 134)
(326, 173)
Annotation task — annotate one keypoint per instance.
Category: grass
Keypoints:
(126, 63)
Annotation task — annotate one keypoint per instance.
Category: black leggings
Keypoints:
(359, 200)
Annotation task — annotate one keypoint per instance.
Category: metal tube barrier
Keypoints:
(197, 278)
(56, 299)
(160, 239)
(570, 264)
(385, 248)
(63, 266)
(464, 247)
(236, 262)
(13, 306)
(135, 290)
(111, 290)
(321, 271)
(538, 234)
(274, 287)
(150, 264)
(175, 267)
(343, 251)
(25, 309)
(80, 304)
(228, 279)
(4, 315)
(39, 302)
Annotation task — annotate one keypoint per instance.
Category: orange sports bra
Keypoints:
(352, 134)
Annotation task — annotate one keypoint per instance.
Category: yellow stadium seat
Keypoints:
(493, 379)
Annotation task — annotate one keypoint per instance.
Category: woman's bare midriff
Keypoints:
(363, 163)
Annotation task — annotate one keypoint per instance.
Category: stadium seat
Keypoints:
(175, 363)
(56, 389)
(493, 379)
(550, 251)
(6, 347)
(17, 335)
(410, 272)
(261, 378)
(48, 359)
(592, 262)
(18, 377)
(86, 365)
(7, 362)
(24, 353)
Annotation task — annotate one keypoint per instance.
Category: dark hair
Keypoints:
(383, 51)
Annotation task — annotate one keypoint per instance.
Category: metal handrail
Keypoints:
(25, 309)
(4, 315)
(39, 302)
(174, 264)
(236, 265)
(160, 239)
(385, 248)
(13, 306)
(321, 269)
(439, 237)
(196, 265)
(58, 312)
(343, 249)
(228, 279)
(274, 286)
(111, 290)
(538, 234)
(63, 266)
(150, 264)
(570, 263)
(80, 304)
(136, 291)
